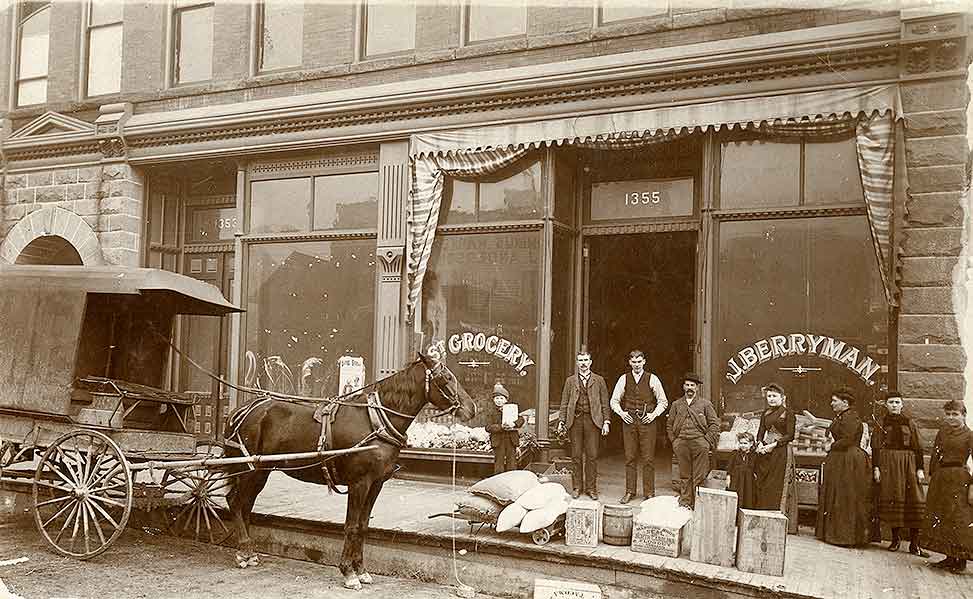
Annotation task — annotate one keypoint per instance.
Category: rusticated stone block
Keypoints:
(935, 123)
(942, 241)
(934, 385)
(935, 209)
(928, 272)
(39, 178)
(932, 358)
(934, 95)
(15, 181)
(24, 196)
(927, 412)
(936, 151)
(89, 173)
(937, 178)
(51, 193)
(118, 240)
(74, 191)
(928, 328)
(120, 256)
(62, 176)
(698, 18)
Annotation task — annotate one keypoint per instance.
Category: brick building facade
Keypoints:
(168, 173)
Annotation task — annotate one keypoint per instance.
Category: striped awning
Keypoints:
(480, 151)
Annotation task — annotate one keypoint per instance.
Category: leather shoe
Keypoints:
(626, 498)
(894, 545)
(919, 551)
(575, 493)
(593, 495)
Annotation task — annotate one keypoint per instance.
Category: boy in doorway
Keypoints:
(504, 437)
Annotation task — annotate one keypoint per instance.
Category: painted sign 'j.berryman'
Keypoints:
(780, 346)
(470, 341)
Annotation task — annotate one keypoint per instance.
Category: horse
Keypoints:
(281, 426)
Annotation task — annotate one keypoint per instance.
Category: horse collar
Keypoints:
(381, 424)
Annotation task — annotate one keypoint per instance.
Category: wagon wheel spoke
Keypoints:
(82, 494)
(196, 492)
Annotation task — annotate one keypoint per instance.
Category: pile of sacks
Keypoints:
(514, 500)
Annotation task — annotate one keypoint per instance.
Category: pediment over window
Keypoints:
(52, 124)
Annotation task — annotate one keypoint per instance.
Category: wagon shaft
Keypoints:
(211, 462)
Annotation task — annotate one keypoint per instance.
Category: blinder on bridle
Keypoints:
(445, 382)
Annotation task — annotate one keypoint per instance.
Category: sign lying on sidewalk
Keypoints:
(565, 589)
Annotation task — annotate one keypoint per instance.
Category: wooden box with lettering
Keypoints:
(762, 542)
(582, 523)
(658, 539)
(714, 527)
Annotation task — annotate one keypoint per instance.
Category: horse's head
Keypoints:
(444, 390)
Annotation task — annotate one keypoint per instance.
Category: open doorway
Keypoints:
(640, 296)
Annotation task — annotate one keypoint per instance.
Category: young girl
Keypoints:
(741, 477)
(504, 439)
(949, 515)
(897, 468)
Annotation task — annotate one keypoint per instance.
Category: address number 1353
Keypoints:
(646, 197)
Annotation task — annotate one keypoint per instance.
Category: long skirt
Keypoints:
(771, 470)
(949, 517)
(844, 504)
(900, 502)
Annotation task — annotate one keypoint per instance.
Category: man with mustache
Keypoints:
(694, 429)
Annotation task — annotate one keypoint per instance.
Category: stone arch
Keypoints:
(48, 222)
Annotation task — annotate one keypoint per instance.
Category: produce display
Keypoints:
(810, 435)
(432, 435)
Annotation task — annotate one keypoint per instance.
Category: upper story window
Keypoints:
(193, 35)
(492, 21)
(33, 43)
(390, 26)
(612, 11)
(104, 43)
(281, 34)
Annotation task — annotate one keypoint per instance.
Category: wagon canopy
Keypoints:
(176, 293)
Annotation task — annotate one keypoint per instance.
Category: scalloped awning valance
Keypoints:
(664, 120)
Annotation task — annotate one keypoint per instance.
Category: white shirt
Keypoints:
(654, 383)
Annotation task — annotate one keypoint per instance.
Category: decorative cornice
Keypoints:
(311, 165)
(652, 227)
(320, 236)
(489, 228)
(207, 248)
(722, 215)
(227, 200)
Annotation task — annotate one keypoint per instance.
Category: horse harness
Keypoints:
(327, 411)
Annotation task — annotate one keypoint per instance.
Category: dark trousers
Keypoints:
(584, 452)
(504, 457)
(693, 458)
(639, 447)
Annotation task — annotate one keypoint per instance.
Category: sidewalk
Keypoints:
(812, 568)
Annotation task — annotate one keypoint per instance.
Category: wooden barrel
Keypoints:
(616, 525)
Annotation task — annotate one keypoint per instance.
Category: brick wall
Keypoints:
(65, 50)
(328, 34)
(108, 199)
(931, 359)
(231, 40)
(143, 47)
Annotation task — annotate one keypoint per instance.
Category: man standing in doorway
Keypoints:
(638, 399)
(583, 413)
(694, 429)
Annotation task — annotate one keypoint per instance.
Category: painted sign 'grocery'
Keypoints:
(494, 345)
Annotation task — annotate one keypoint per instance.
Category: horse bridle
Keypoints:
(441, 376)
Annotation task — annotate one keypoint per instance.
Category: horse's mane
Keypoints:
(392, 388)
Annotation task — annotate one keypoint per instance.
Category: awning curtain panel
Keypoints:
(867, 114)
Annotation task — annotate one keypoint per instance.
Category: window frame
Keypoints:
(259, 16)
(87, 54)
(467, 26)
(363, 53)
(176, 8)
(18, 43)
(601, 22)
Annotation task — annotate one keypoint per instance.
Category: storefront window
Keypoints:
(308, 305)
(831, 173)
(347, 201)
(480, 303)
(280, 205)
(759, 174)
(515, 194)
(801, 303)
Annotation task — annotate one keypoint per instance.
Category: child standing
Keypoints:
(949, 513)
(504, 438)
(740, 474)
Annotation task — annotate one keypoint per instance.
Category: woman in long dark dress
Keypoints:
(949, 513)
(775, 462)
(844, 504)
(897, 468)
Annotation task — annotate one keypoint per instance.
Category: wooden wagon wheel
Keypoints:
(82, 494)
(199, 495)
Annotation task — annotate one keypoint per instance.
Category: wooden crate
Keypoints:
(714, 527)
(582, 523)
(762, 542)
(658, 539)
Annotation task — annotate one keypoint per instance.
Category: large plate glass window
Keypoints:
(308, 304)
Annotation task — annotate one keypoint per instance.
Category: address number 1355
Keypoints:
(646, 197)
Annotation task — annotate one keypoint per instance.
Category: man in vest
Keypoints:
(584, 414)
(694, 429)
(638, 399)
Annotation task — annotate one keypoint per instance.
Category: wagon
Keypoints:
(84, 418)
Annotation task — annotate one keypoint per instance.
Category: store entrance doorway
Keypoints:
(639, 295)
